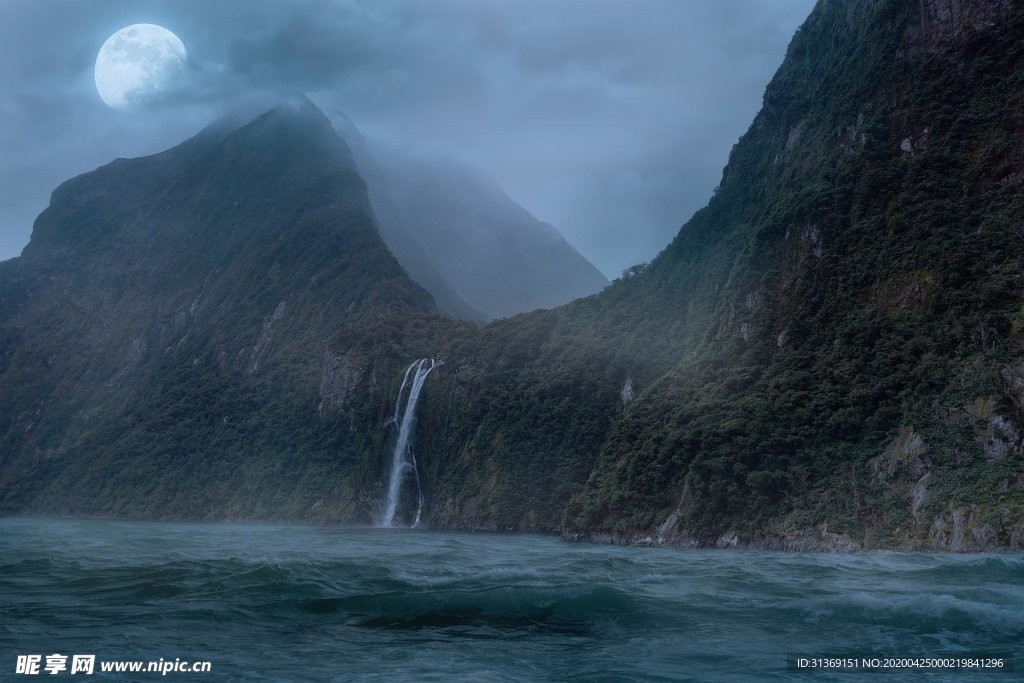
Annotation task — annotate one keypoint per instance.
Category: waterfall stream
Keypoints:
(403, 458)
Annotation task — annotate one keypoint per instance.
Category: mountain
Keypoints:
(457, 233)
(829, 355)
(168, 338)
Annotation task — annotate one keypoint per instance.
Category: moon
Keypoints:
(138, 63)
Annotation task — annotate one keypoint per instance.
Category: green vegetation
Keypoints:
(837, 289)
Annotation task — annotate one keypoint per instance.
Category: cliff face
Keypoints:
(941, 22)
(830, 355)
(853, 369)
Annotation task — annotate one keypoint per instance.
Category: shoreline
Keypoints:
(812, 540)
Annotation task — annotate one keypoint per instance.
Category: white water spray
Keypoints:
(403, 458)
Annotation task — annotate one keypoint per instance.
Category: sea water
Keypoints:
(276, 602)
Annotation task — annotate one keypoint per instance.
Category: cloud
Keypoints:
(609, 119)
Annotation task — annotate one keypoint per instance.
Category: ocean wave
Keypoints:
(574, 608)
(940, 611)
(974, 568)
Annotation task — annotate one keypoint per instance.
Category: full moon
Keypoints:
(137, 63)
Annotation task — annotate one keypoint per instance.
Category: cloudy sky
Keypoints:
(611, 119)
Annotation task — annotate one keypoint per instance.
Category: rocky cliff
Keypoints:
(854, 293)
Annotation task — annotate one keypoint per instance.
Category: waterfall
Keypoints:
(403, 458)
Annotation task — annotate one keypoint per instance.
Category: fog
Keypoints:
(609, 119)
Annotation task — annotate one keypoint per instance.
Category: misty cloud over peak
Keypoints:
(611, 120)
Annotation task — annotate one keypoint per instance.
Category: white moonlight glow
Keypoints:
(137, 63)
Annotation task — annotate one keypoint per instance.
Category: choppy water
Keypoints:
(301, 603)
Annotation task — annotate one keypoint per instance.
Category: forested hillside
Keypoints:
(829, 354)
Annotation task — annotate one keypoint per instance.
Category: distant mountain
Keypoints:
(481, 255)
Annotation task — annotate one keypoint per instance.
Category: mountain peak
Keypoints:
(294, 116)
(295, 110)
(298, 107)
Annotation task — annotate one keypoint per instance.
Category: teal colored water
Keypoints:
(265, 602)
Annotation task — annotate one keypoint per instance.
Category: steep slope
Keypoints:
(858, 373)
(481, 255)
(829, 355)
(165, 336)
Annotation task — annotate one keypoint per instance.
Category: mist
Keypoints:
(609, 120)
